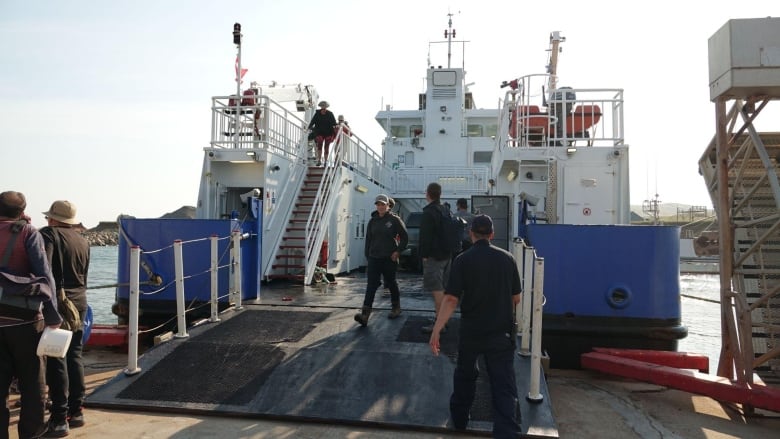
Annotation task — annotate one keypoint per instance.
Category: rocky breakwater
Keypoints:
(106, 233)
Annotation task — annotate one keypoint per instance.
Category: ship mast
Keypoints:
(552, 68)
(449, 34)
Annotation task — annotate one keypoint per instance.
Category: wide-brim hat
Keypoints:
(63, 211)
(323, 104)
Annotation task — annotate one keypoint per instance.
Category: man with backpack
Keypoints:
(433, 250)
(464, 214)
(23, 256)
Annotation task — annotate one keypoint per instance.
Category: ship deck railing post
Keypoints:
(236, 254)
(178, 267)
(214, 279)
(525, 319)
(534, 395)
(132, 330)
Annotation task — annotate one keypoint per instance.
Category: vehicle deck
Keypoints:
(297, 354)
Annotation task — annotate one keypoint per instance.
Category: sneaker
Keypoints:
(76, 420)
(319, 164)
(394, 313)
(56, 429)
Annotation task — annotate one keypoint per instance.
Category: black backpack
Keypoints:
(452, 228)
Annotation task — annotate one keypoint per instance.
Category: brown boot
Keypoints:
(362, 316)
(395, 312)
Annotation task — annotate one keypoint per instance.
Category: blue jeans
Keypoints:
(499, 359)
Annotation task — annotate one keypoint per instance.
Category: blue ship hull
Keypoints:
(608, 286)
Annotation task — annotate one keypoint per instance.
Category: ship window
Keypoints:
(399, 131)
(444, 78)
(491, 130)
(474, 130)
(483, 156)
(416, 130)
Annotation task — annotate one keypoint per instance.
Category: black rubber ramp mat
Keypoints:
(227, 366)
(412, 333)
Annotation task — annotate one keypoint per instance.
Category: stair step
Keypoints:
(290, 256)
(285, 247)
(293, 237)
(286, 276)
(286, 266)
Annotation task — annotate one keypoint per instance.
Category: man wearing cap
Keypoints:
(386, 238)
(68, 254)
(323, 125)
(485, 283)
(22, 253)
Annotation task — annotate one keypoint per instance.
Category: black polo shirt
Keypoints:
(484, 278)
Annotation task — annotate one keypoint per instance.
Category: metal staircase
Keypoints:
(298, 254)
(747, 199)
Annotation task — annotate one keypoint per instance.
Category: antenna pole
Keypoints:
(237, 42)
(449, 34)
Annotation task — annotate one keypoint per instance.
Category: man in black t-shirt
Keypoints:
(485, 282)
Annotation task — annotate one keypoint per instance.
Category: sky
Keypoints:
(107, 103)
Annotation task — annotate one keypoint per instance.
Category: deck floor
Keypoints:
(297, 354)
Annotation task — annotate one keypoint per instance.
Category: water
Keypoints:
(102, 272)
(700, 316)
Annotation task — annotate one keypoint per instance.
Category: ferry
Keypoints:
(550, 165)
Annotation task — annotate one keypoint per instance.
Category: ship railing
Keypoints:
(359, 157)
(264, 124)
(591, 117)
(529, 310)
(234, 291)
(453, 179)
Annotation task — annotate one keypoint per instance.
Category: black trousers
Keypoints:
(65, 377)
(499, 358)
(18, 358)
(376, 269)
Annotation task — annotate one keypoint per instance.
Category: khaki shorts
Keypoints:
(435, 274)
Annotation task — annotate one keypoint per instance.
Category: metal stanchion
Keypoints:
(237, 266)
(178, 264)
(525, 332)
(214, 279)
(536, 332)
(132, 342)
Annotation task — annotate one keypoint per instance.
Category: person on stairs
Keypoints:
(386, 238)
(323, 125)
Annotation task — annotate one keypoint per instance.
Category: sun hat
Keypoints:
(382, 198)
(482, 225)
(323, 104)
(63, 211)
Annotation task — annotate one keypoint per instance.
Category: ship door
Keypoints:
(589, 195)
(498, 208)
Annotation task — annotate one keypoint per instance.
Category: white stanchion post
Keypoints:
(178, 265)
(525, 331)
(132, 335)
(237, 267)
(214, 279)
(536, 332)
